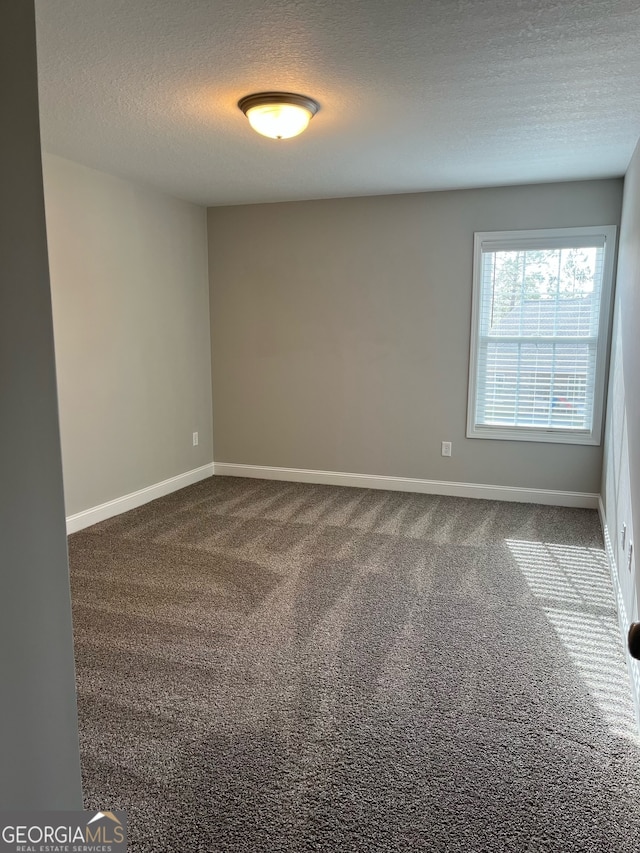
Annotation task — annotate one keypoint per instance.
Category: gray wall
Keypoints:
(621, 474)
(131, 318)
(39, 762)
(340, 333)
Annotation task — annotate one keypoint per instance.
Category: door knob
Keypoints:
(633, 640)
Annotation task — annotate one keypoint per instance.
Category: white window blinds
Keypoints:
(540, 300)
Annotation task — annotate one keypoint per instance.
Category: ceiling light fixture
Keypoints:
(279, 115)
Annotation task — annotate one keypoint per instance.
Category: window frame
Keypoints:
(554, 435)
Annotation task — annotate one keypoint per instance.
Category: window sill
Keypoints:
(547, 436)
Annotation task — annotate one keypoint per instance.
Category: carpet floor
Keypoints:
(270, 667)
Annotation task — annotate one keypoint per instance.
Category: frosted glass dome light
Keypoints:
(279, 115)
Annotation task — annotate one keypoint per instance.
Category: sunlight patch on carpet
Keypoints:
(574, 590)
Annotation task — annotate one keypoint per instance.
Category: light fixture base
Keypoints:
(261, 98)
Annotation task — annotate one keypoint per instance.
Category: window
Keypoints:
(541, 303)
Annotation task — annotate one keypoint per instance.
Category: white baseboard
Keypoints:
(410, 484)
(87, 517)
(623, 618)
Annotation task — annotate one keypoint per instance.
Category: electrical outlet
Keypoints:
(623, 536)
(195, 439)
(630, 561)
(446, 448)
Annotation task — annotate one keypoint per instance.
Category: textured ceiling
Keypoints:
(415, 94)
